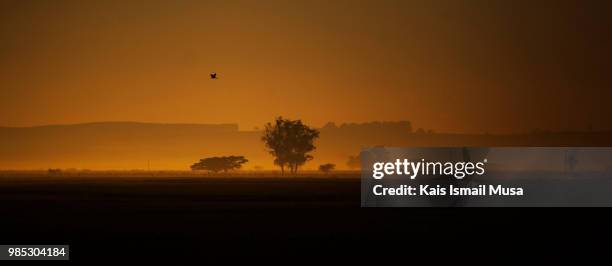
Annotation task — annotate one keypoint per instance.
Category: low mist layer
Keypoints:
(144, 146)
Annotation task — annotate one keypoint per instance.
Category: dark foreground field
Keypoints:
(204, 217)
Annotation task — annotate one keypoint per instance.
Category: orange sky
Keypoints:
(455, 66)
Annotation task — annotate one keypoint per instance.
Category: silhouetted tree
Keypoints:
(354, 162)
(216, 164)
(289, 141)
(326, 168)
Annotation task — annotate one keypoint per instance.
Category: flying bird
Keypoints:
(213, 75)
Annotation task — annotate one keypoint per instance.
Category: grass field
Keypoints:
(167, 215)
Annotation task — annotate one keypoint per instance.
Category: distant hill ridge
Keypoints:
(223, 126)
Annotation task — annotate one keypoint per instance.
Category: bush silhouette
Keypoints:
(217, 164)
(326, 168)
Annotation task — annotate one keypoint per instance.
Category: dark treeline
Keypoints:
(399, 126)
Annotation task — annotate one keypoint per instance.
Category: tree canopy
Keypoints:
(216, 164)
(326, 168)
(289, 141)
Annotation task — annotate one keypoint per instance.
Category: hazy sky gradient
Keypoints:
(454, 66)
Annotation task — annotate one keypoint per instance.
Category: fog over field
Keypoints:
(144, 146)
